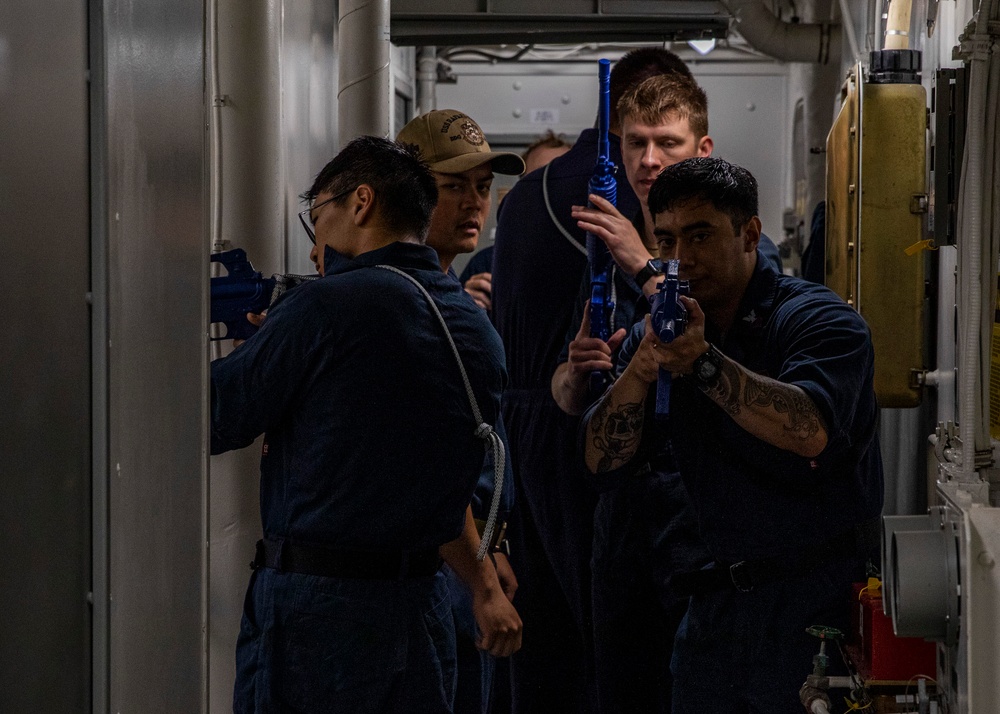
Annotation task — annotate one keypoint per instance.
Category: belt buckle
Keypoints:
(740, 575)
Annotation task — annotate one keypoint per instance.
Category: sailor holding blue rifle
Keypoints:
(773, 430)
(643, 530)
(664, 120)
(538, 262)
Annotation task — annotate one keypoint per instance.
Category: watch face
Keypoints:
(707, 367)
(707, 370)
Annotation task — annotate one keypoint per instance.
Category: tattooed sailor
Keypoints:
(772, 424)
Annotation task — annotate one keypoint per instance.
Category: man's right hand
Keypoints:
(645, 367)
(607, 223)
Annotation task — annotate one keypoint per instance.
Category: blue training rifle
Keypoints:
(243, 289)
(669, 317)
(602, 184)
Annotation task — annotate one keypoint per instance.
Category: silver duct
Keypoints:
(785, 41)
(365, 76)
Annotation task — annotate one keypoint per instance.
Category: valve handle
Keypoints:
(825, 633)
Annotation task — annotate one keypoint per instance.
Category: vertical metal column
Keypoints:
(100, 674)
(44, 353)
(426, 79)
(365, 79)
(157, 290)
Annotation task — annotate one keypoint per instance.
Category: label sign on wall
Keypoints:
(543, 116)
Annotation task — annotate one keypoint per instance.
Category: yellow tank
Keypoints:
(876, 189)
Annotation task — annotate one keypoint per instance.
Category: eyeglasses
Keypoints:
(306, 216)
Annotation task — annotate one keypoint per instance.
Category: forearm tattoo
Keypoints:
(726, 392)
(616, 433)
(738, 389)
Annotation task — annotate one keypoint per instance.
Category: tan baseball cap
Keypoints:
(450, 142)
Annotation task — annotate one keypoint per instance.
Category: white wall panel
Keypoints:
(516, 102)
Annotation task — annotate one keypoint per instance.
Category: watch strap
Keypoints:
(650, 269)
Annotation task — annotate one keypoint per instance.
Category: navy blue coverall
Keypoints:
(805, 526)
(476, 668)
(634, 621)
(643, 531)
(536, 276)
(369, 446)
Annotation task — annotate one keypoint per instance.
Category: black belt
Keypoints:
(340, 563)
(746, 575)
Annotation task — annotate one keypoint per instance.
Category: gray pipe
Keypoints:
(785, 41)
(365, 76)
(426, 79)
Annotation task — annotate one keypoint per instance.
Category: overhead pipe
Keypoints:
(785, 41)
(365, 78)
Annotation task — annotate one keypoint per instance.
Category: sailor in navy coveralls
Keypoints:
(773, 428)
(371, 455)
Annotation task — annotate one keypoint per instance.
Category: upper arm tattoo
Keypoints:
(616, 433)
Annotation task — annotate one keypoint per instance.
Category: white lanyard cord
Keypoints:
(483, 431)
(552, 214)
(568, 235)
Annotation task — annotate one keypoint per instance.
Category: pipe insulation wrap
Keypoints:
(786, 41)
(365, 77)
(897, 25)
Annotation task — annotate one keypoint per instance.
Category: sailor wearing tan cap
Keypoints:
(455, 149)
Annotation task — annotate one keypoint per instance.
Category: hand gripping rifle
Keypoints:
(669, 317)
(603, 184)
(243, 289)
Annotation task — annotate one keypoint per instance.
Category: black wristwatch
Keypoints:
(648, 270)
(708, 367)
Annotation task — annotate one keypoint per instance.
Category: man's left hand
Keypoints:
(499, 624)
(480, 287)
(508, 581)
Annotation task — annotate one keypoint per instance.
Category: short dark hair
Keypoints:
(405, 189)
(638, 65)
(730, 188)
(548, 140)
